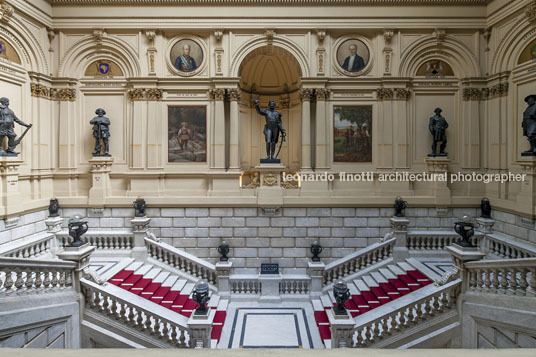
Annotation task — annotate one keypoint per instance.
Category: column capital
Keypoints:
(322, 94)
(305, 94)
(217, 93)
(234, 94)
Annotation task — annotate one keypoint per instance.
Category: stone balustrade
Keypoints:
(358, 260)
(508, 248)
(181, 260)
(436, 240)
(405, 312)
(245, 284)
(19, 275)
(511, 276)
(116, 240)
(295, 284)
(136, 312)
(34, 248)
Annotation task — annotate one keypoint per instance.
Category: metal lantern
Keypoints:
(466, 229)
(201, 297)
(316, 249)
(341, 294)
(223, 249)
(77, 227)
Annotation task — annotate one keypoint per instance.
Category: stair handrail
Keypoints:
(181, 260)
(436, 240)
(404, 312)
(358, 260)
(136, 312)
(508, 248)
(30, 247)
(109, 239)
(24, 275)
(510, 276)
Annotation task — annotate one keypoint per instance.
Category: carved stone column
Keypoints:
(234, 129)
(101, 166)
(305, 96)
(139, 229)
(218, 146)
(322, 129)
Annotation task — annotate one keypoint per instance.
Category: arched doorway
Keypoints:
(270, 73)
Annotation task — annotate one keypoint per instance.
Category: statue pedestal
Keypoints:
(316, 272)
(200, 327)
(399, 225)
(342, 329)
(270, 287)
(80, 255)
(139, 229)
(223, 271)
(11, 197)
(101, 166)
(270, 192)
(485, 225)
(439, 167)
(526, 198)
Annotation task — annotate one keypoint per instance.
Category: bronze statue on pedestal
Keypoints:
(7, 124)
(272, 129)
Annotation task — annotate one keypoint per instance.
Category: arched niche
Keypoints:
(103, 68)
(270, 73)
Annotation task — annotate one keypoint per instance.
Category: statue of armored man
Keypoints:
(529, 125)
(438, 126)
(7, 124)
(272, 128)
(101, 132)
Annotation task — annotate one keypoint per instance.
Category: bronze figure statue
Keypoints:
(529, 125)
(485, 208)
(77, 227)
(400, 206)
(272, 129)
(438, 126)
(101, 132)
(7, 124)
(53, 208)
(139, 207)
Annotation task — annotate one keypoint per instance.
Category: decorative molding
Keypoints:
(219, 60)
(270, 2)
(321, 34)
(387, 58)
(234, 94)
(530, 11)
(151, 36)
(384, 94)
(388, 36)
(269, 180)
(269, 33)
(305, 94)
(439, 34)
(218, 34)
(6, 11)
(474, 94)
(99, 35)
(147, 94)
(217, 93)
(322, 94)
(487, 36)
(402, 94)
(393, 94)
(51, 35)
(498, 90)
(59, 94)
(320, 60)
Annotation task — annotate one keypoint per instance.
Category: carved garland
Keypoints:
(59, 94)
(148, 94)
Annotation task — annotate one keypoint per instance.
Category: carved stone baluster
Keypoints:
(97, 300)
(487, 279)
(182, 339)
(412, 316)
(139, 320)
(504, 281)
(29, 279)
(130, 316)
(532, 282)
(512, 282)
(523, 284)
(165, 331)
(106, 305)
(19, 282)
(479, 279)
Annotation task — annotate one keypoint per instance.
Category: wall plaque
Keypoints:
(269, 268)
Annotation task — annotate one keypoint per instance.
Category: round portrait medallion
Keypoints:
(353, 56)
(186, 56)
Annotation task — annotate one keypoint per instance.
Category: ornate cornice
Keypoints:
(269, 2)
(393, 94)
(6, 11)
(148, 94)
(498, 90)
(476, 94)
(59, 94)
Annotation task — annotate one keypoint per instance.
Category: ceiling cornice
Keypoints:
(269, 2)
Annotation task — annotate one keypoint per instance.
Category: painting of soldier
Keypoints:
(352, 133)
(186, 55)
(187, 128)
(353, 55)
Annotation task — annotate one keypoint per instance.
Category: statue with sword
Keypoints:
(7, 124)
(272, 129)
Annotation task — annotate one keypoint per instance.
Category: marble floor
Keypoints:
(283, 325)
(438, 265)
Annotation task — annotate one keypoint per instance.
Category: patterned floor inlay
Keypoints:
(438, 266)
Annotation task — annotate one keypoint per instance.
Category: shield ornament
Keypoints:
(103, 67)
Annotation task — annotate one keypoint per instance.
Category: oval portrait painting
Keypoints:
(353, 55)
(186, 55)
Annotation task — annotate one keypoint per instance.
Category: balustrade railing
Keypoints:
(508, 248)
(18, 275)
(295, 284)
(435, 240)
(181, 260)
(31, 249)
(245, 284)
(511, 276)
(120, 240)
(362, 258)
(135, 312)
(407, 312)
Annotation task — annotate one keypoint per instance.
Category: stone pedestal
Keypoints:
(526, 198)
(316, 272)
(80, 255)
(223, 271)
(270, 287)
(200, 328)
(139, 229)
(485, 225)
(399, 225)
(439, 165)
(342, 329)
(11, 197)
(460, 256)
(101, 188)
(270, 192)
(54, 224)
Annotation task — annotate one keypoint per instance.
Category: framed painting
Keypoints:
(353, 56)
(352, 133)
(187, 134)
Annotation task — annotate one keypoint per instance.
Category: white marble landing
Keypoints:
(282, 325)
(438, 266)
(107, 267)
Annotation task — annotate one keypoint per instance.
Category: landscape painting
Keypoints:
(187, 134)
(352, 133)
